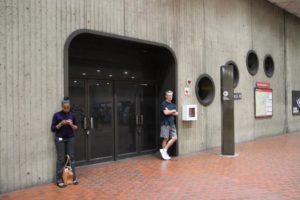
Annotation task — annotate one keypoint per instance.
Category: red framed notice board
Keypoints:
(263, 102)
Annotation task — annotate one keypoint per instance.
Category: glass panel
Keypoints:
(126, 114)
(77, 97)
(148, 113)
(101, 113)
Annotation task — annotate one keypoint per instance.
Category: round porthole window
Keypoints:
(269, 66)
(236, 74)
(205, 89)
(252, 62)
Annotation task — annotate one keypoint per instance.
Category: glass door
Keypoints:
(100, 116)
(116, 119)
(77, 91)
(135, 118)
(92, 103)
(148, 123)
(126, 118)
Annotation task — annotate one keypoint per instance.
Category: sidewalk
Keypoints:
(265, 169)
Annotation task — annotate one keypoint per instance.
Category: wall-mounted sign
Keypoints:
(263, 100)
(237, 96)
(296, 102)
(225, 96)
(263, 85)
(189, 112)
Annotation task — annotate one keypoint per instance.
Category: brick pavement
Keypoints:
(266, 169)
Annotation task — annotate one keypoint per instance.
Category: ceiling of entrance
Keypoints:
(291, 6)
(110, 58)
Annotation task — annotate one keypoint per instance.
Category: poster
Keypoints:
(296, 102)
(263, 103)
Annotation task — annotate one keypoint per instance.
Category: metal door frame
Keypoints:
(138, 138)
(115, 156)
(101, 159)
(130, 39)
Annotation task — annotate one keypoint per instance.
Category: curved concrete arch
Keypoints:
(163, 53)
(79, 32)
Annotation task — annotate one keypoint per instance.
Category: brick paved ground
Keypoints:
(265, 169)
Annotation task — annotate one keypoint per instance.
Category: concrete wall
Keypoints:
(204, 35)
(292, 70)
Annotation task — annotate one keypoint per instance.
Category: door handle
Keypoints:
(142, 119)
(92, 122)
(136, 119)
(84, 123)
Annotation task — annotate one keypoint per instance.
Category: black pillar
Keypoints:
(227, 99)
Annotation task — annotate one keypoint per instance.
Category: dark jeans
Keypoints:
(64, 147)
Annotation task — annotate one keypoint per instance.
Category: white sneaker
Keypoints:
(167, 155)
(164, 154)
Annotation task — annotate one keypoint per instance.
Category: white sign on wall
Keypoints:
(263, 103)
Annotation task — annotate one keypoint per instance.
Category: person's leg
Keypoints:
(173, 134)
(170, 142)
(70, 151)
(60, 150)
(164, 142)
(164, 133)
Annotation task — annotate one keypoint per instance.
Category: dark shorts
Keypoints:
(168, 131)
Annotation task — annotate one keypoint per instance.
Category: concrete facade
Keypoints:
(204, 35)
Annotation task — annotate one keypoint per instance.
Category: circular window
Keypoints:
(236, 74)
(205, 89)
(269, 66)
(252, 62)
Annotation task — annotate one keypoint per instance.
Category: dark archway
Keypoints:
(114, 59)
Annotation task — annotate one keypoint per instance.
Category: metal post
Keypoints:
(227, 99)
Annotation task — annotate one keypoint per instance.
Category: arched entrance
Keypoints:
(116, 85)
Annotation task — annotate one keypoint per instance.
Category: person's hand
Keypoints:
(69, 122)
(63, 122)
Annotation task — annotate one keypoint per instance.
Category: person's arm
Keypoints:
(60, 124)
(55, 124)
(73, 123)
(164, 109)
(73, 126)
(176, 112)
(169, 112)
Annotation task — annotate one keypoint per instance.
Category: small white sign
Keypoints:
(225, 93)
(189, 112)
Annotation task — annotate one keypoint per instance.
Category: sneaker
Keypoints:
(163, 154)
(75, 182)
(61, 184)
(167, 155)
